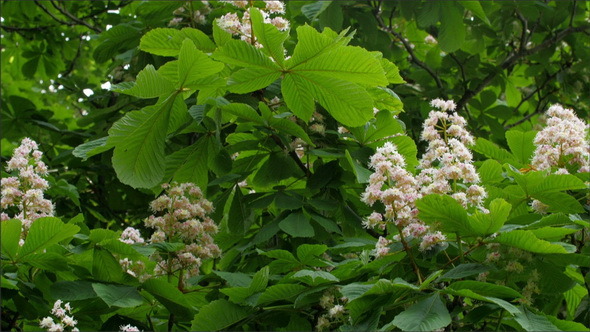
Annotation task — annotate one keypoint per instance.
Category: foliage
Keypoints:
(279, 128)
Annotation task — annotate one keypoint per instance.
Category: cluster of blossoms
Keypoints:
(242, 27)
(66, 323)
(446, 169)
(128, 328)
(25, 190)
(395, 187)
(447, 166)
(562, 145)
(181, 216)
(336, 312)
(188, 12)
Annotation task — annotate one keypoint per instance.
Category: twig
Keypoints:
(16, 29)
(51, 15)
(410, 254)
(512, 59)
(292, 154)
(408, 48)
(74, 18)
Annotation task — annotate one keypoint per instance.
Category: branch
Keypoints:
(408, 48)
(13, 29)
(512, 59)
(528, 116)
(292, 154)
(51, 15)
(75, 19)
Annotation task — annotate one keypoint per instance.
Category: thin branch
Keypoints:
(512, 59)
(51, 15)
(292, 154)
(74, 18)
(523, 36)
(528, 116)
(73, 62)
(16, 29)
(408, 48)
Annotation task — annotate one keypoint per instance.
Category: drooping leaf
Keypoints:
(118, 296)
(219, 315)
(139, 139)
(533, 322)
(297, 224)
(10, 235)
(426, 315)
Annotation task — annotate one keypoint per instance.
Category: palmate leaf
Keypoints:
(139, 139)
(194, 64)
(426, 315)
(269, 36)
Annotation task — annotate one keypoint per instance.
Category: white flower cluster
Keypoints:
(447, 166)
(336, 312)
(128, 328)
(25, 191)
(66, 323)
(446, 169)
(242, 27)
(184, 218)
(564, 142)
(562, 145)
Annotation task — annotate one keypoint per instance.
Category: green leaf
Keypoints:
(566, 325)
(313, 10)
(251, 79)
(139, 139)
(45, 232)
(170, 297)
(314, 278)
(235, 279)
(118, 296)
(149, 84)
(362, 174)
(384, 125)
(92, 148)
(280, 292)
(469, 293)
(490, 171)
(386, 99)
(426, 315)
(194, 64)
(72, 290)
(308, 253)
(560, 202)
(297, 224)
(464, 270)
(243, 111)
(168, 41)
(238, 213)
(527, 240)
(190, 164)
(219, 315)
(486, 289)
(556, 182)
(298, 97)
(475, 8)
(533, 322)
(10, 235)
(105, 266)
(278, 166)
(240, 53)
(452, 30)
(269, 36)
(291, 128)
(446, 212)
(49, 261)
(489, 223)
(521, 144)
(491, 150)
(120, 37)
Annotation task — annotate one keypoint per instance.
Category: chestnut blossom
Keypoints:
(242, 26)
(447, 165)
(562, 143)
(131, 235)
(382, 247)
(65, 321)
(128, 328)
(181, 215)
(25, 189)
